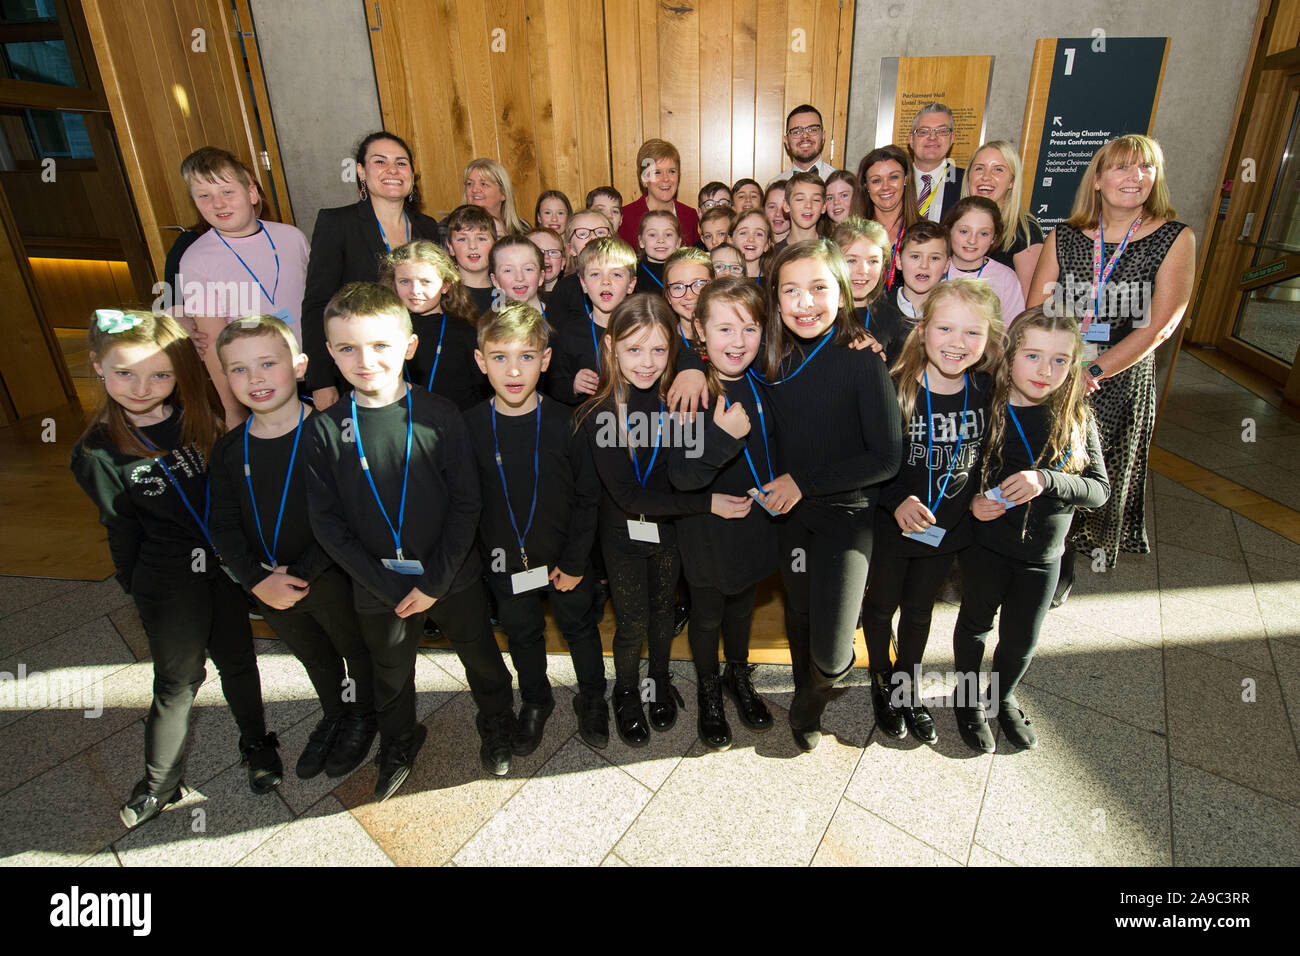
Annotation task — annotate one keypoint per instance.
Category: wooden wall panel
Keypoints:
(582, 83)
(72, 289)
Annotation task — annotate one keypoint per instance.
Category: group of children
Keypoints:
(510, 443)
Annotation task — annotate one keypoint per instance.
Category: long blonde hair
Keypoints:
(1086, 212)
(202, 417)
(1070, 411)
(510, 217)
(1014, 218)
(980, 298)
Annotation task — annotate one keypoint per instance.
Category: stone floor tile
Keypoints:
(857, 837)
(326, 835)
(69, 667)
(1218, 823)
(39, 622)
(17, 593)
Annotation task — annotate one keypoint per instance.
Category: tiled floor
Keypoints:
(1166, 694)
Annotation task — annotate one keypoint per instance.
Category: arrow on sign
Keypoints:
(1056, 121)
(1042, 209)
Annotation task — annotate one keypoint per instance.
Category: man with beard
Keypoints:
(804, 138)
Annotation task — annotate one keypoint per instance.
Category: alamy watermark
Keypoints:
(645, 430)
(1119, 300)
(36, 690)
(965, 692)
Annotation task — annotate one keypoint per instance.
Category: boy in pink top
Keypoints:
(241, 266)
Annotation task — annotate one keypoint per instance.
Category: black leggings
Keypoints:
(642, 581)
(185, 621)
(824, 551)
(909, 583)
(713, 612)
(322, 632)
(578, 617)
(1023, 591)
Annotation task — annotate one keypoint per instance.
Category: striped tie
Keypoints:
(925, 189)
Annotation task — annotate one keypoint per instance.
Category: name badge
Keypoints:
(267, 567)
(529, 580)
(1097, 332)
(995, 494)
(759, 496)
(402, 566)
(284, 316)
(643, 531)
(931, 535)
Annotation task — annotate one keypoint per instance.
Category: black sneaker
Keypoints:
(395, 762)
(317, 751)
(496, 733)
(143, 806)
(593, 720)
(738, 684)
(356, 734)
(265, 772)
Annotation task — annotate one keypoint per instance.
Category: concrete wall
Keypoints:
(1209, 45)
(320, 76)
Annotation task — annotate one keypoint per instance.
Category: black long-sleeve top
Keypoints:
(234, 528)
(624, 497)
(941, 429)
(149, 529)
(1035, 532)
(345, 247)
(482, 298)
(442, 498)
(457, 377)
(568, 490)
(650, 277)
(568, 303)
(886, 325)
(573, 350)
(728, 554)
(837, 428)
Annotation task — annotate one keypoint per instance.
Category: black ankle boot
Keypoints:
(737, 682)
(265, 772)
(629, 718)
(664, 703)
(714, 732)
(888, 718)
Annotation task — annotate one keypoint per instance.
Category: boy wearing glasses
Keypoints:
(804, 138)
(938, 179)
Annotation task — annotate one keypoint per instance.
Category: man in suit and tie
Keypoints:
(938, 178)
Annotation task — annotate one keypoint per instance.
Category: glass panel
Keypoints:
(39, 61)
(1270, 319)
(29, 136)
(26, 11)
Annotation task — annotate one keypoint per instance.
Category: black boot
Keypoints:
(629, 718)
(737, 682)
(265, 772)
(714, 732)
(664, 703)
(317, 751)
(888, 718)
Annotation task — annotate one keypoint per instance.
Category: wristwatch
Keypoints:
(1096, 371)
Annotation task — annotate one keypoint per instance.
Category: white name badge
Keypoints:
(995, 494)
(931, 535)
(1097, 332)
(759, 496)
(529, 580)
(402, 566)
(643, 531)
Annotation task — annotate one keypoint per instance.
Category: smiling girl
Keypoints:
(974, 227)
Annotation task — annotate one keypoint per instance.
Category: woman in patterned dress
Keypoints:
(1145, 263)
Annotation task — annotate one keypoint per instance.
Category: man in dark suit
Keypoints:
(938, 179)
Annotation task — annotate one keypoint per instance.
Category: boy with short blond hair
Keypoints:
(540, 497)
(607, 270)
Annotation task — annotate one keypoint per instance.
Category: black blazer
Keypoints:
(951, 191)
(345, 247)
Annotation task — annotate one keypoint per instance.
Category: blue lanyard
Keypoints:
(405, 218)
(685, 340)
(636, 466)
(537, 471)
(594, 344)
(866, 325)
(406, 470)
(929, 441)
(658, 280)
(948, 274)
(270, 296)
(437, 354)
(762, 427)
(185, 499)
(822, 344)
(284, 495)
(1032, 457)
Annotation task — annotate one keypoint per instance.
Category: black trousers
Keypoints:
(642, 582)
(323, 633)
(578, 618)
(713, 612)
(393, 642)
(1023, 591)
(824, 551)
(185, 621)
(901, 582)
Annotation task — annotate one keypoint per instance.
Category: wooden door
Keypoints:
(563, 92)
